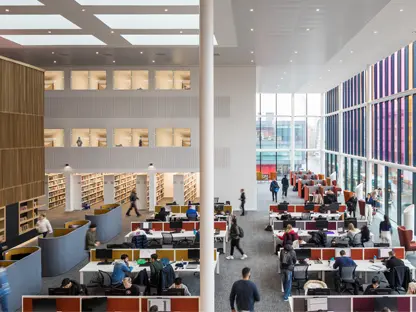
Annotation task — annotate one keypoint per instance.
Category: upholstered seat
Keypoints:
(405, 237)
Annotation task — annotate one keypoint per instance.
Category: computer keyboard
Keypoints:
(318, 262)
(193, 262)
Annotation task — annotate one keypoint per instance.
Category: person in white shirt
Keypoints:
(296, 244)
(178, 285)
(43, 225)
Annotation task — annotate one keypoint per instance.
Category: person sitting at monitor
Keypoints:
(131, 289)
(91, 238)
(391, 263)
(340, 263)
(352, 231)
(161, 216)
(352, 205)
(375, 283)
(331, 198)
(365, 236)
(178, 285)
(290, 235)
(75, 289)
(139, 238)
(121, 270)
(191, 213)
(296, 244)
(155, 268)
(317, 198)
(411, 288)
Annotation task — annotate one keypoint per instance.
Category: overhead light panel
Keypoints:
(164, 40)
(150, 21)
(20, 3)
(139, 2)
(35, 21)
(54, 40)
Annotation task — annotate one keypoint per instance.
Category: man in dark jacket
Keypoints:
(285, 186)
(274, 188)
(391, 263)
(244, 293)
(133, 199)
(318, 238)
(287, 265)
(352, 205)
(75, 289)
(156, 268)
(243, 201)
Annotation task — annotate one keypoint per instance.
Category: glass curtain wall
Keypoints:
(287, 123)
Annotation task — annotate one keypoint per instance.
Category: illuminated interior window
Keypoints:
(89, 138)
(131, 80)
(54, 137)
(88, 80)
(173, 80)
(54, 80)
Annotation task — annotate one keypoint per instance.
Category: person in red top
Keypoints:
(289, 235)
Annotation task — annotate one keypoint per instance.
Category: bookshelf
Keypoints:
(160, 186)
(3, 223)
(28, 214)
(55, 191)
(92, 188)
(147, 191)
(123, 185)
(189, 187)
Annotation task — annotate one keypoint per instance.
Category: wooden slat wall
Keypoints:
(22, 154)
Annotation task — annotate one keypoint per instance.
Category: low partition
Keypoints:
(301, 208)
(310, 225)
(135, 254)
(24, 275)
(65, 249)
(356, 253)
(186, 225)
(310, 190)
(108, 220)
(183, 209)
(400, 303)
(110, 304)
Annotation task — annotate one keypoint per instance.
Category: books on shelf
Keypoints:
(56, 190)
(160, 186)
(189, 187)
(92, 188)
(29, 213)
(123, 185)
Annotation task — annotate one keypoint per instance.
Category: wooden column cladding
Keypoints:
(22, 153)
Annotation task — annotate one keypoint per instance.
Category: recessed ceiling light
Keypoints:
(53, 52)
(181, 32)
(141, 52)
(96, 52)
(114, 61)
(139, 2)
(281, 78)
(36, 21)
(166, 10)
(252, 61)
(375, 32)
(252, 52)
(296, 52)
(251, 10)
(49, 32)
(153, 61)
(340, 61)
(291, 61)
(252, 29)
(317, 10)
(54, 40)
(54, 62)
(329, 70)
(164, 40)
(401, 10)
(7, 10)
(150, 21)
(351, 51)
(112, 31)
(83, 10)
(308, 29)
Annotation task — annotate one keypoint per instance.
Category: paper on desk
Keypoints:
(147, 253)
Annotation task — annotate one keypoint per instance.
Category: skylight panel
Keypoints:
(54, 40)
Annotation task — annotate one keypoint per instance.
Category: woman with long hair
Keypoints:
(385, 230)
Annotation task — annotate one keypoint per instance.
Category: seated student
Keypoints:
(340, 263)
(178, 285)
(391, 263)
(411, 288)
(161, 216)
(352, 231)
(330, 195)
(375, 283)
(139, 239)
(131, 289)
(75, 289)
(191, 213)
(153, 308)
(317, 198)
(155, 268)
(296, 244)
(365, 236)
(121, 270)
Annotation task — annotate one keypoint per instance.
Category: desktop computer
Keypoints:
(194, 254)
(321, 224)
(282, 207)
(302, 254)
(175, 226)
(291, 222)
(104, 254)
(309, 206)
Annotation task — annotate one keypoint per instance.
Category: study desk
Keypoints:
(178, 236)
(174, 215)
(277, 215)
(93, 267)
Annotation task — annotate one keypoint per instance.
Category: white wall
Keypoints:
(168, 184)
(235, 135)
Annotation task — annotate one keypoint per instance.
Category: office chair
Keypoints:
(300, 276)
(193, 218)
(305, 216)
(154, 244)
(356, 241)
(167, 239)
(182, 244)
(347, 277)
(398, 277)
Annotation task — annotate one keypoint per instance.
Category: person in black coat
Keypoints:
(161, 216)
(391, 263)
(352, 205)
(243, 201)
(75, 289)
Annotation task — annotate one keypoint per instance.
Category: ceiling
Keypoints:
(296, 45)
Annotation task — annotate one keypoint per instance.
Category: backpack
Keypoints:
(268, 228)
(240, 232)
(287, 259)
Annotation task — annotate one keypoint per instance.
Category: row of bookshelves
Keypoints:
(29, 213)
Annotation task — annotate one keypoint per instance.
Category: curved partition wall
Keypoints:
(65, 249)
(24, 275)
(108, 221)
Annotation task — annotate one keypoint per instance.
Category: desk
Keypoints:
(187, 234)
(278, 215)
(93, 267)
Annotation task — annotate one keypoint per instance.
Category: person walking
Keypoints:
(385, 231)
(352, 205)
(285, 186)
(287, 265)
(243, 201)
(4, 290)
(236, 232)
(244, 293)
(43, 226)
(133, 199)
(369, 204)
(274, 188)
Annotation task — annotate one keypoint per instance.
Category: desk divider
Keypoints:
(121, 304)
(157, 208)
(316, 254)
(61, 232)
(356, 253)
(166, 253)
(186, 225)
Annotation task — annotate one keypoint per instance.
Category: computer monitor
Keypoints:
(319, 292)
(104, 254)
(174, 292)
(350, 220)
(283, 207)
(338, 252)
(334, 207)
(176, 225)
(385, 302)
(321, 224)
(59, 291)
(219, 207)
(384, 253)
(327, 200)
(309, 206)
(381, 245)
(291, 222)
(302, 254)
(146, 226)
(193, 254)
(307, 245)
(383, 291)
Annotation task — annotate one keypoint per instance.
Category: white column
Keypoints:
(73, 197)
(178, 189)
(368, 130)
(292, 135)
(206, 153)
(152, 190)
(322, 133)
(141, 189)
(109, 191)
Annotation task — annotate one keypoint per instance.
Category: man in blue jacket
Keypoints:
(244, 293)
(121, 270)
(191, 213)
(340, 263)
